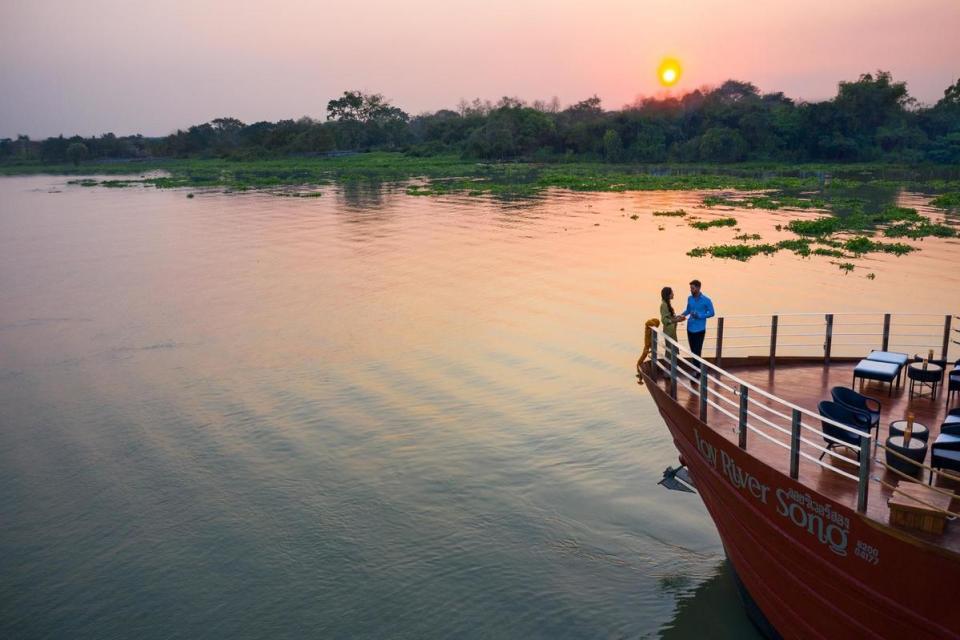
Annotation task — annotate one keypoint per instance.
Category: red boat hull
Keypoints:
(814, 567)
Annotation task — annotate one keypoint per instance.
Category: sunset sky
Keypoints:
(151, 67)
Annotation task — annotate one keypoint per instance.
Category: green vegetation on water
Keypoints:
(452, 174)
(908, 223)
(896, 222)
(703, 225)
(833, 253)
(444, 174)
(679, 213)
(741, 252)
(857, 247)
(919, 230)
(861, 245)
(947, 200)
(766, 202)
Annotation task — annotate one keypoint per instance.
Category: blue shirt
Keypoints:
(699, 308)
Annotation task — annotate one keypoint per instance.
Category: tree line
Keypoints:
(870, 119)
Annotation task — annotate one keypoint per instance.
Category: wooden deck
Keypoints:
(805, 384)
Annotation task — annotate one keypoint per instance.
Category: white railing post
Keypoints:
(864, 480)
(742, 432)
(673, 370)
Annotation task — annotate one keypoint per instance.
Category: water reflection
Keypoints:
(711, 610)
(865, 198)
(361, 194)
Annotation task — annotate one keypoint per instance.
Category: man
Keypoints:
(699, 308)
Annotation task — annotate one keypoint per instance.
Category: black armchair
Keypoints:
(853, 418)
(859, 402)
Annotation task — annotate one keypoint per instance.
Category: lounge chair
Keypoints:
(876, 370)
(891, 357)
(945, 452)
(953, 381)
(952, 422)
(852, 418)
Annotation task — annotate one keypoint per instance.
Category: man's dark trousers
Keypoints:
(696, 340)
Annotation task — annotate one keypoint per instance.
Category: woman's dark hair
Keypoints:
(665, 294)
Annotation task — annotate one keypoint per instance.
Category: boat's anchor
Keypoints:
(677, 479)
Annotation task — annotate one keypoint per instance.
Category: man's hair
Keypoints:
(695, 283)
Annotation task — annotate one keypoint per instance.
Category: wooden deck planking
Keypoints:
(805, 384)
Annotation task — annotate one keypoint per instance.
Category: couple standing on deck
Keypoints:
(699, 308)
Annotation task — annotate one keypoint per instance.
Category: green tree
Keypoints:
(649, 144)
(589, 108)
(869, 103)
(365, 108)
(951, 95)
(349, 107)
(76, 152)
(721, 144)
(612, 146)
(228, 126)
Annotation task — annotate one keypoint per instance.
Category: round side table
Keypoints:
(928, 378)
(916, 451)
(920, 432)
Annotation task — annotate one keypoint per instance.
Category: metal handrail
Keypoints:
(744, 413)
(679, 377)
(893, 331)
(810, 443)
(751, 387)
(837, 313)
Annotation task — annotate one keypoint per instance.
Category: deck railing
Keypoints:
(754, 412)
(830, 335)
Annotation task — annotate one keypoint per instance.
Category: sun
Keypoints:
(669, 72)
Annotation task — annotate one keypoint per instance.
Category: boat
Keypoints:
(827, 539)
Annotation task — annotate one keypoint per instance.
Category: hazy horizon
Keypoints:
(106, 66)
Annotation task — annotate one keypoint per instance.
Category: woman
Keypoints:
(668, 317)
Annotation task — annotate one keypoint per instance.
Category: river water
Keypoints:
(366, 414)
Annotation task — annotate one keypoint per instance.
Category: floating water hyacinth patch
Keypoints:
(679, 213)
(947, 200)
(703, 225)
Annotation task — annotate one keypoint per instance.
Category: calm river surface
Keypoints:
(365, 415)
